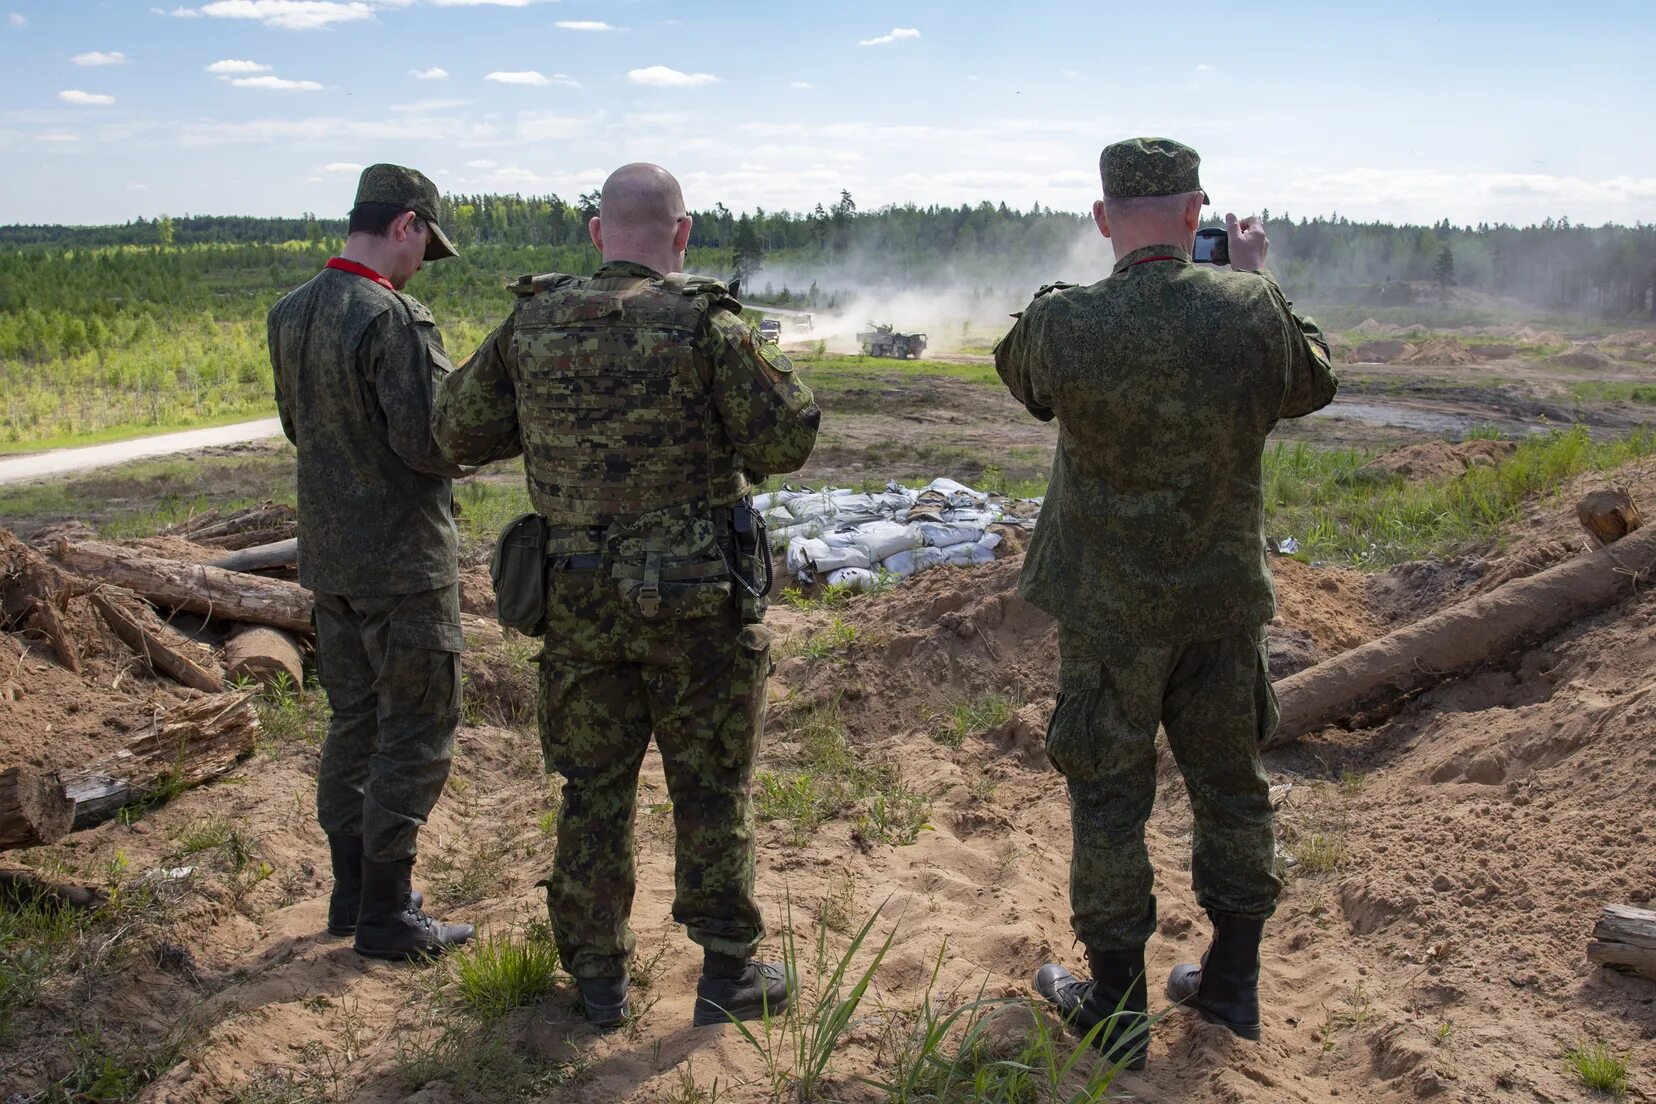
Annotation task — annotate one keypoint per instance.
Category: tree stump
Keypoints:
(1608, 515)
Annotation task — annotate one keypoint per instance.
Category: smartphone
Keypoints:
(1212, 246)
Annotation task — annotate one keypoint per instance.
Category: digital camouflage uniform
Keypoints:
(355, 367)
(1165, 379)
(640, 405)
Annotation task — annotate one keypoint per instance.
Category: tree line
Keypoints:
(1606, 271)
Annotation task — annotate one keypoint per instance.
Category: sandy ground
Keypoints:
(1443, 869)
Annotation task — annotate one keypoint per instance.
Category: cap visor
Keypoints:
(1206, 202)
(438, 246)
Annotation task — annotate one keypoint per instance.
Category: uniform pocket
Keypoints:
(422, 665)
(1266, 707)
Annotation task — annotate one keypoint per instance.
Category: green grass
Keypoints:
(1341, 512)
(141, 498)
(968, 718)
(830, 375)
(1614, 391)
(237, 412)
(290, 717)
(496, 973)
(837, 636)
(1599, 1068)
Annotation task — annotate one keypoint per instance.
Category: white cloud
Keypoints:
(289, 15)
(481, 163)
(800, 84)
(177, 13)
(537, 80)
(98, 57)
(1069, 73)
(276, 84)
(482, 3)
(234, 65)
(58, 136)
(339, 167)
(546, 127)
(422, 107)
(17, 19)
(1204, 67)
(895, 34)
(434, 73)
(585, 25)
(85, 99)
(659, 76)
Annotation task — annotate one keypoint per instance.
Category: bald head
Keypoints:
(641, 218)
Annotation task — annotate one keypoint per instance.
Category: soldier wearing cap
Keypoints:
(356, 362)
(1165, 378)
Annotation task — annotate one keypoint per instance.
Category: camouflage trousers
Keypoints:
(609, 678)
(391, 667)
(1215, 700)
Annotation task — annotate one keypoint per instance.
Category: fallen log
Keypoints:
(214, 527)
(147, 637)
(1624, 939)
(1462, 637)
(25, 887)
(1608, 516)
(214, 592)
(252, 538)
(262, 557)
(264, 654)
(32, 593)
(186, 746)
(33, 807)
(210, 591)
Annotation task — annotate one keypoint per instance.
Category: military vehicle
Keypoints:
(770, 329)
(882, 341)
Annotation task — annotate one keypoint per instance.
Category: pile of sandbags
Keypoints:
(863, 540)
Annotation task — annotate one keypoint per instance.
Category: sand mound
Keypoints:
(1381, 352)
(1586, 355)
(1439, 352)
(1437, 460)
(1492, 351)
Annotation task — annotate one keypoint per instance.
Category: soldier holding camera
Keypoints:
(1165, 379)
(640, 402)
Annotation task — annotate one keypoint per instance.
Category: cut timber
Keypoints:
(261, 557)
(214, 592)
(186, 746)
(1462, 637)
(33, 808)
(224, 530)
(22, 887)
(1608, 516)
(210, 591)
(1625, 939)
(263, 653)
(139, 630)
(32, 593)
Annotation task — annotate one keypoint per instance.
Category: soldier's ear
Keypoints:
(681, 233)
(1101, 218)
(596, 232)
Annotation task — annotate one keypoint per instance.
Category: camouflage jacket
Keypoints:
(355, 366)
(1165, 379)
(759, 409)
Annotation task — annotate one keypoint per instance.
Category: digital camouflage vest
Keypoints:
(616, 412)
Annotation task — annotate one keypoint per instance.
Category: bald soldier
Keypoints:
(641, 404)
(1165, 379)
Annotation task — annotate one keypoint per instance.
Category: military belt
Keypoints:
(590, 562)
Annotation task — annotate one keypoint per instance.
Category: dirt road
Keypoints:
(19, 469)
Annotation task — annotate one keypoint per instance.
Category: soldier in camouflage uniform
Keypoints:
(356, 361)
(1165, 379)
(641, 402)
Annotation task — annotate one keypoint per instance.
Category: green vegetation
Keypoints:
(1614, 391)
(1340, 510)
(1598, 1067)
(836, 636)
(968, 718)
(826, 781)
(498, 972)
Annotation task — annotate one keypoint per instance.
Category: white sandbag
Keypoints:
(802, 555)
(989, 541)
(944, 534)
(958, 494)
(968, 555)
(887, 538)
(913, 561)
(835, 558)
(855, 579)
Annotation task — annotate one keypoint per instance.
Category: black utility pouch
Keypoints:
(519, 574)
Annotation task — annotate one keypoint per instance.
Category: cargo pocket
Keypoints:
(422, 671)
(1266, 708)
(674, 589)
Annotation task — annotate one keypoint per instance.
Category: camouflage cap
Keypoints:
(1149, 167)
(412, 191)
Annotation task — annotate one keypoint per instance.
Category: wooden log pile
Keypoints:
(1624, 939)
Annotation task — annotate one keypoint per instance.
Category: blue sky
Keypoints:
(1402, 111)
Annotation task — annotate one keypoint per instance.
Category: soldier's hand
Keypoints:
(1248, 243)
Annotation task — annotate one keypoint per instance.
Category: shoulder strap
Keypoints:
(527, 285)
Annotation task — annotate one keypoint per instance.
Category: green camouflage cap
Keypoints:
(1149, 167)
(412, 191)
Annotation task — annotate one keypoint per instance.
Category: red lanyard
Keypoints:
(360, 270)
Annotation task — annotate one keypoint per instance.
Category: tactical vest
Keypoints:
(615, 410)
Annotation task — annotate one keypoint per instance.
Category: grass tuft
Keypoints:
(505, 970)
(1599, 1068)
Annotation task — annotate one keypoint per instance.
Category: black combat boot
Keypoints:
(737, 988)
(1116, 997)
(391, 925)
(605, 999)
(346, 900)
(1224, 989)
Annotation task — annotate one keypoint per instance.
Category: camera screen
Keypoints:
(1211, 247)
